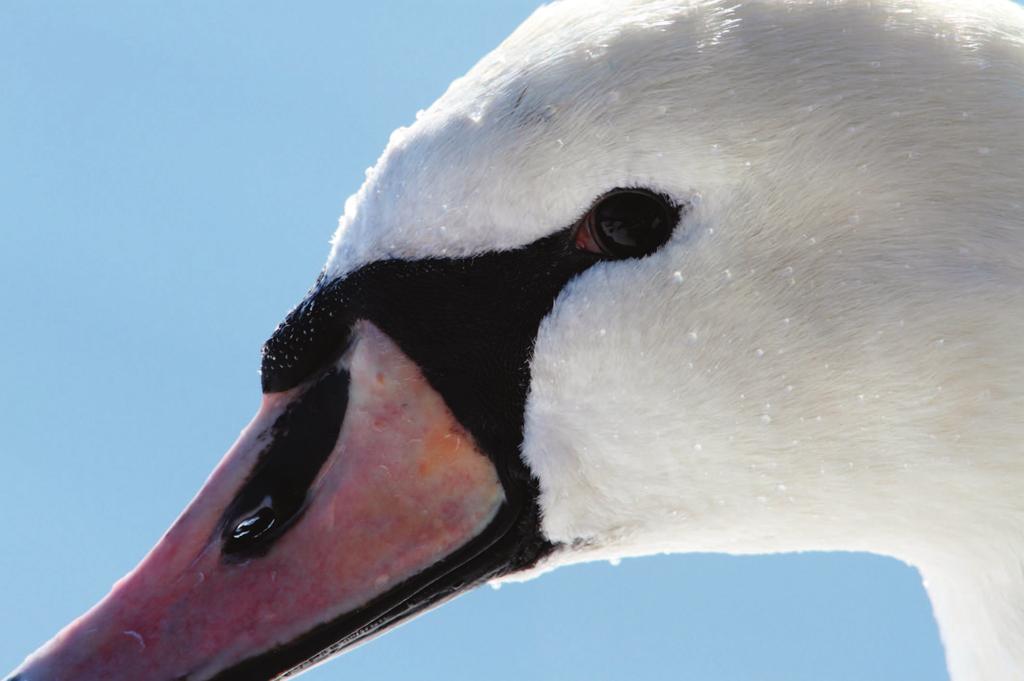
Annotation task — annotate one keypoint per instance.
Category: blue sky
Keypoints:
(171, 173)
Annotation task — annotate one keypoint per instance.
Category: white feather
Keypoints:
(828, 353)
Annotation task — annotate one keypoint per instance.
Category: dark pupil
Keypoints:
(630, 221)
(255, 525)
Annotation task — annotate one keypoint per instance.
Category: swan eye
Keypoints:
(626, 223)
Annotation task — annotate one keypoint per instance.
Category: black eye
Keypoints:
(626, 223)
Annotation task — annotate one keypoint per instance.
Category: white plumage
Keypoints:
(827, 354)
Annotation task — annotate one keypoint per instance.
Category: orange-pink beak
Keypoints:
(250, 582)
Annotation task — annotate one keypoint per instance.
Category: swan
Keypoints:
(652, 277)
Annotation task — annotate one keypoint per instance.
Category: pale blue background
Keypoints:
(170, 175)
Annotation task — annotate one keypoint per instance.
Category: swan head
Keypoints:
(481, 385)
